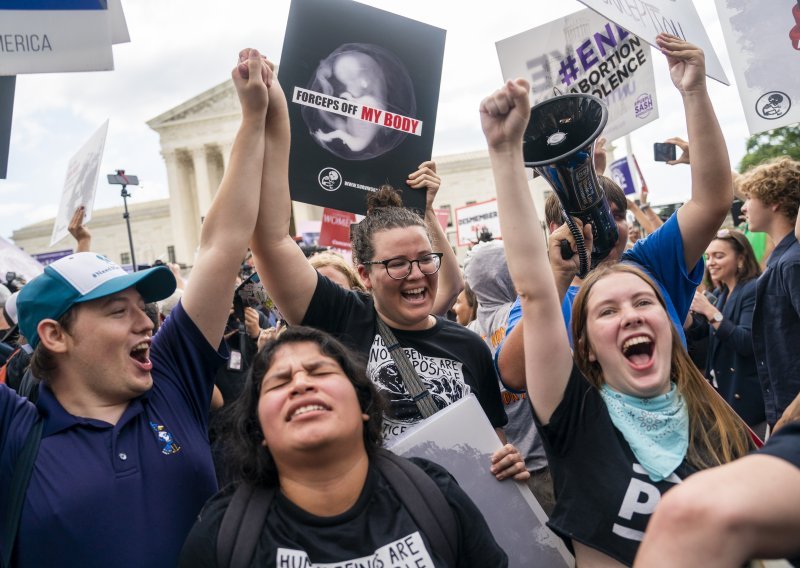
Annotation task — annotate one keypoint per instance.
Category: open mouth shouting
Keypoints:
(140, 354)
(415, 295)
(638, 350)
(308, 409)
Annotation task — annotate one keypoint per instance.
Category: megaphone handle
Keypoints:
(580, 244)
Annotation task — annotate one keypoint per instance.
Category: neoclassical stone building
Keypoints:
(196, 139)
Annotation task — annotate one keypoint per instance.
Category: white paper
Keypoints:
(648, 18)
(119, 27)
(461, 439)
(14, 259)
(80, 183)
(765, 63)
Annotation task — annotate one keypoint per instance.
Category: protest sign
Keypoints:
(620, 172)
(363, 96)
(649, 18)
(461, 439)
(119, 27)
(585, 53)
(45, 36)
(80, 183)
(335, 231)
(472, 219)
(764, 45)
(7, 87)
(46, 258)
(14, 259)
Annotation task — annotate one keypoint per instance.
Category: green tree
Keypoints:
(771, 144)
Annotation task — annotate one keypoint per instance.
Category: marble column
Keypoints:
(179, 214)
(201, 180)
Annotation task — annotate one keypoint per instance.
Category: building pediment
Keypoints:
(217, 102)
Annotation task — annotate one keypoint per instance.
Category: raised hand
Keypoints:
(426, 177)
(252, 77)
(684, 146)
(687, 63)
(505, 113)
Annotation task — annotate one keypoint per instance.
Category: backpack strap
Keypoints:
(424, 501)
(419, 392)
(242, 525)
(19, 489)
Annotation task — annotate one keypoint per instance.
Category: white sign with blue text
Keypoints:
(47, 36)
(585, 53)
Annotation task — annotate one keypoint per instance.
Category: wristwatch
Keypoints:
(717, 317)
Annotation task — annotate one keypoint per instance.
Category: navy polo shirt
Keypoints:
(776, 327)
(124, 494)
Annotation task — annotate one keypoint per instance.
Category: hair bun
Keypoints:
(386, 196)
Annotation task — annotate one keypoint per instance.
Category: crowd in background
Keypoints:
(157, 418)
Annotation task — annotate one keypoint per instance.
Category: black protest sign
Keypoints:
(363, 90)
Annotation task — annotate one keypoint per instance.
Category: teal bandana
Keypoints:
(657, 429)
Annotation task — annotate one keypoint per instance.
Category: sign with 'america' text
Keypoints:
(585, 53)
(45, 36)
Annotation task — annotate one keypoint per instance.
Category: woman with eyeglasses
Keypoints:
(730, 363)
(398, 255)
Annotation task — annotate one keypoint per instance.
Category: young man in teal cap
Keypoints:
(124, 464)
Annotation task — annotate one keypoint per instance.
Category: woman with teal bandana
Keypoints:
(630, 416)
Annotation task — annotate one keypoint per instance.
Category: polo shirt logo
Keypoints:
(167, 441)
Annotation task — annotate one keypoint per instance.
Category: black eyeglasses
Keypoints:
(399, 268)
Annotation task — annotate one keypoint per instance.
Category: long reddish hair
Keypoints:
(716, 434)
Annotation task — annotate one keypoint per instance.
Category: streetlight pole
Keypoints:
(125, 180)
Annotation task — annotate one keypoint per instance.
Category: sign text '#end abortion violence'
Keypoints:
(357, 111)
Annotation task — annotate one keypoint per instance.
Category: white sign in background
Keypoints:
(765, 62)
(80, 183)
(461, 439)
(471, 219)
(649, 18)
(47, 41)
(585, 53)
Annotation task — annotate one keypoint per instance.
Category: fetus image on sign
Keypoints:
(372, 79)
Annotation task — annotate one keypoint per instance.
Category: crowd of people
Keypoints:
(150, 421)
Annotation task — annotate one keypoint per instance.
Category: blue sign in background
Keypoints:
(621, 174)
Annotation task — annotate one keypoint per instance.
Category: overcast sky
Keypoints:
(180, 48)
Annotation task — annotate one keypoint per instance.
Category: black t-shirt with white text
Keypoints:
(376, 531)
(604, 497)
(450, 360)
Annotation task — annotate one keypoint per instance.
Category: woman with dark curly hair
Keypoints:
(398, 255)
(307, 428)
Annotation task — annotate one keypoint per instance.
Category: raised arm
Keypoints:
(79, 231)
(450, 280)
(712, 186)
(232, 216)
(287, 276)
(548, 359)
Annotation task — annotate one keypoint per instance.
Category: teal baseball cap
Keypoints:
(82, 277)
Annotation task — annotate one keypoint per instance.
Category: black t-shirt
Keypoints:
(604, 497)
(376, 531)
(785, 444)
(450, 360)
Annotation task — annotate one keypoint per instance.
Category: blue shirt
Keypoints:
(776, 327)
(660, 255)
(124, 494)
